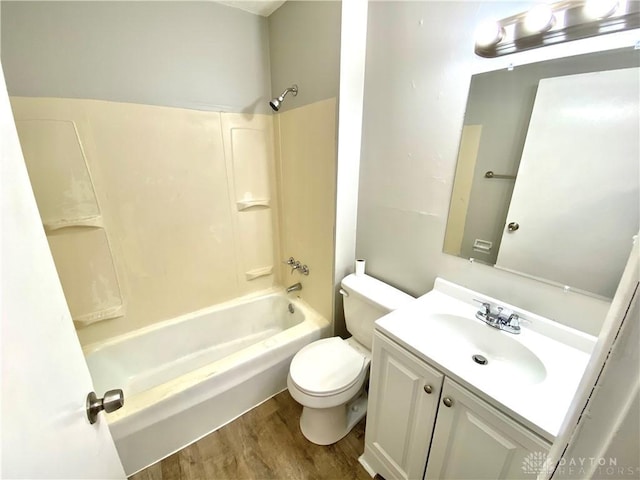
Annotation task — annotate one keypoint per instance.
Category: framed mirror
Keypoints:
(547, 179)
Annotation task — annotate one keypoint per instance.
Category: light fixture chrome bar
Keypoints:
(569, 21)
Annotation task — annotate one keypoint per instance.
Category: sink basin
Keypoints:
(507, 360)
(531, 376)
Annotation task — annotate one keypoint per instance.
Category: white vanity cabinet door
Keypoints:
(473, 440)
(403, 401)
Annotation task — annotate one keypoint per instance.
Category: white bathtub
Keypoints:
(186, 377)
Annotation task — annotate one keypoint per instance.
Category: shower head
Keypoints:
(276, 102)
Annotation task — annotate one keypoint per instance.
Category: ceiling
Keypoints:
(259, 7)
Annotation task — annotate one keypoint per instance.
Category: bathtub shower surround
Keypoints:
(71, 217)
(230, 357)
(188, 208)
(184, 201)
(306, 152)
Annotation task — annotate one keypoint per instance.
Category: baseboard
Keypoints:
(367, 467)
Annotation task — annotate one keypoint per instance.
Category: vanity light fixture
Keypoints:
(489, 34)
(539, 19)
(598, 9)
(553, 23)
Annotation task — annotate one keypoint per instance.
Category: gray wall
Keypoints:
(198, 55)
(419, 64)
(304, 43)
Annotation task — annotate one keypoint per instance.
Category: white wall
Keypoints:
(419, 64)
(352, 77)
(198, 55)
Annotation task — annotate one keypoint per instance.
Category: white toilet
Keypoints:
(327, 377)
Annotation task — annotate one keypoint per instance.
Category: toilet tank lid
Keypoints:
(380, 293)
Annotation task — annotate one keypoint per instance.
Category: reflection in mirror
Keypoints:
(547, 176)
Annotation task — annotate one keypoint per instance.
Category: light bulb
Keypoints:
(598, 9)
(489, 34)
(539, 19)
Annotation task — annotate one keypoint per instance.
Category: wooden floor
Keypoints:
(265, 443)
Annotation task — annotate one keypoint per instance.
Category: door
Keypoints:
(45, 380)
(583, 135)
(403, 401)
(473, 440)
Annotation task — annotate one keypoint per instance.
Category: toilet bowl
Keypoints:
(328, 377)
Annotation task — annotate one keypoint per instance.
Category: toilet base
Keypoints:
(324, 426)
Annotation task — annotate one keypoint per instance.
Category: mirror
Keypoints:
(547, 177)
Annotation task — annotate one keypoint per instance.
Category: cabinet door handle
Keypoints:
(428, 389)
(447, 402)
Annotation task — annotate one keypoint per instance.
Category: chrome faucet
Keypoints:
(294, 287)
(503, 319)
(296, 265)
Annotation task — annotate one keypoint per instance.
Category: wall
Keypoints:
(198, 55)
(352, 69)
(304, 48)
(409, 149)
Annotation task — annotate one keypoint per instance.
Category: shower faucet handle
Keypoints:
(296, 266)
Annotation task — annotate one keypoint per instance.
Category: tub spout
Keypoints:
(294, 287)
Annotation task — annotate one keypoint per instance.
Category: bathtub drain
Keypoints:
(291, 308)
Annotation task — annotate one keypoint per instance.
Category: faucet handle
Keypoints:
(486, 305)
(512, 324)
(521, 320)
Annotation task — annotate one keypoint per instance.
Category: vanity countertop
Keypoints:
(532, 376)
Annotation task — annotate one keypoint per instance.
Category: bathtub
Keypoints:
(186, 377)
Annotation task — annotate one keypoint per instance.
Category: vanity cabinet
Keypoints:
(421, 423)
(472, 439)
(403, 402)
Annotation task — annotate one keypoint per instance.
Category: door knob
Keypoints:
(513, 226)
(112, 401)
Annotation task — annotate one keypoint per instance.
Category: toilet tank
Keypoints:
(365, 301)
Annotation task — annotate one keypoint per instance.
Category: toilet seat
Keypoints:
(327, 367)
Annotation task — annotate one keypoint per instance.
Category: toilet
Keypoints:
(327, 377)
